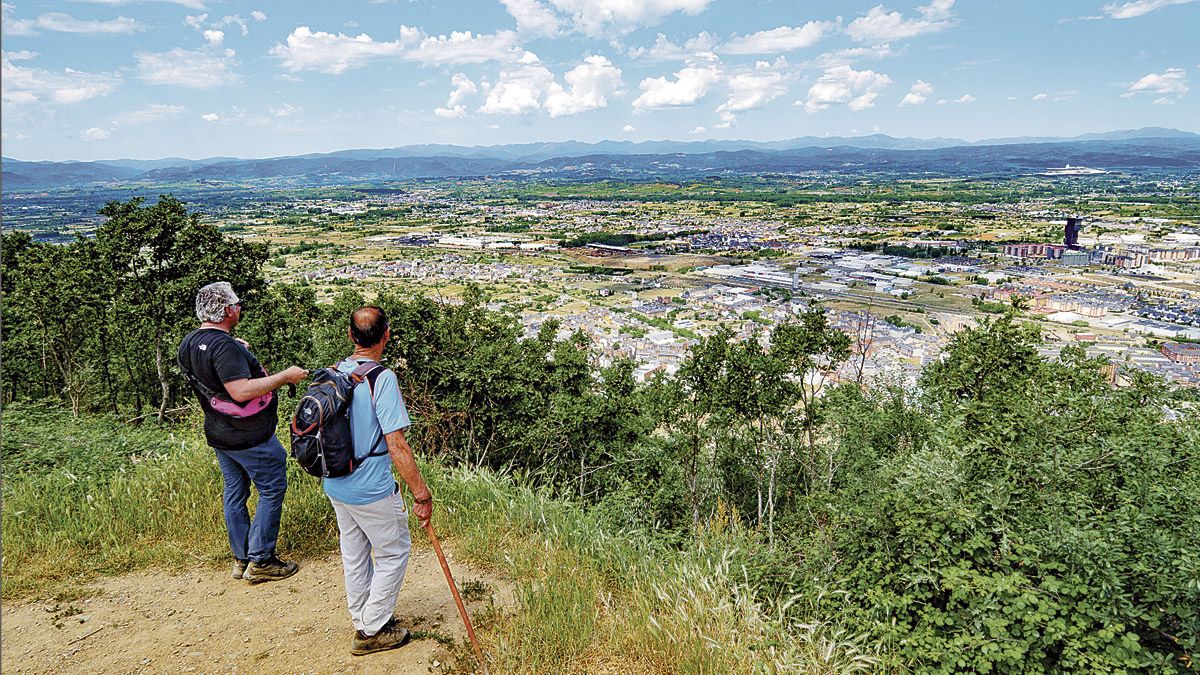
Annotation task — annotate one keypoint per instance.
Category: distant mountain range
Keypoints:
(1131, 151)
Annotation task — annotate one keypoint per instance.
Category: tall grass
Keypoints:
(620, 602)
(107, 512)
(589, 599)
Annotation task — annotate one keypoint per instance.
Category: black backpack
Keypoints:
(321, 441)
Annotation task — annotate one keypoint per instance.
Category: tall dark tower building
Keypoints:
(1071, 232)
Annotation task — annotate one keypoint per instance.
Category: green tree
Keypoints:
(811, 351)
(279, 325)
(154, 259)
(689, 404)
(55, 303)
(985, 369)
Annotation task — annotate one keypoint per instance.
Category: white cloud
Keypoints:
(776, 40)
(852, 55)
(937, 9)
(690, 85)
(918, 94)
(213, 34)
(190, 4)
(588, 87)
(1063, 95)
(532, 87)
(518, 92)
(628, 128)
(533, 18)
(466, 47)
(152, 113)
(258, 15)
(1136, 8)
(600, 18)
(1172, 81)
(19, 84)
(751, 90)
(860, 103)
(697, 130)
(965, 98)
(880, 25)
(1164, 101)
(65, 23)
(96, 134)
(199, 69)
(842, 84)
(23, 55)
(285, 110)
(16, 27)
(334, 54)
(464, 88)
(698, 48)
(210, 117)
(235, 20)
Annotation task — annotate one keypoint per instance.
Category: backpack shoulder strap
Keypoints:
(187, 350)
(369, 371)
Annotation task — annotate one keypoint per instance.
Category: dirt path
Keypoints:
(203, 621)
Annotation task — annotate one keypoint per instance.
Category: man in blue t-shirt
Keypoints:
(371, 513)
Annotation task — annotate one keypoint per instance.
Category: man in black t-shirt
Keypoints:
(238, 398)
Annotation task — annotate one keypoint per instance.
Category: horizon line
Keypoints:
(979, 141)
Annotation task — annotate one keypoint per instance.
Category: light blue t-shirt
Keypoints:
(372, 478)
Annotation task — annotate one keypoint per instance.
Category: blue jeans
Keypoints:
(266, 466)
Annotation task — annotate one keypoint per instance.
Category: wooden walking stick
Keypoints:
(462, 610)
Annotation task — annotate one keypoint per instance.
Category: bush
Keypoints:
(1048, 525)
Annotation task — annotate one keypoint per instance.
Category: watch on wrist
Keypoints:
(426, 500)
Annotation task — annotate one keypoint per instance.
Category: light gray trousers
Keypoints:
(378, 530)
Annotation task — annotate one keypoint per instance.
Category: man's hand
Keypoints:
(245, 390)
(294, 375)
(242, 342)
(423, 508)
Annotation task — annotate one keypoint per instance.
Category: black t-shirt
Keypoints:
(216, 358)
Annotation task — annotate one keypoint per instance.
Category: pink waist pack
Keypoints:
(237, 410)
(234, 409)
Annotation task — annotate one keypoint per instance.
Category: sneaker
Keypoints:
(271, 569)
(239, 568)
(391, 636)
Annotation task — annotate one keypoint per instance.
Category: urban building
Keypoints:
(1071, 232)
(1181, 352)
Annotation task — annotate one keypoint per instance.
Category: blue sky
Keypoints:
(94, 79)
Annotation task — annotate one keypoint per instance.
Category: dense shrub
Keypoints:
(1048, 525)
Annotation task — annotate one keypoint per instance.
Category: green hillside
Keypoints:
(1012, 513)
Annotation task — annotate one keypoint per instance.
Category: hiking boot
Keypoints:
(391, 636)
(271, 569)
(239, 568)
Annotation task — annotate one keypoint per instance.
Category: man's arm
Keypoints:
(402, 457)
(248, 389)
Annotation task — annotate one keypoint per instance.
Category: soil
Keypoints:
(204, 621)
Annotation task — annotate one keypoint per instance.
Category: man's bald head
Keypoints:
(367, 326)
